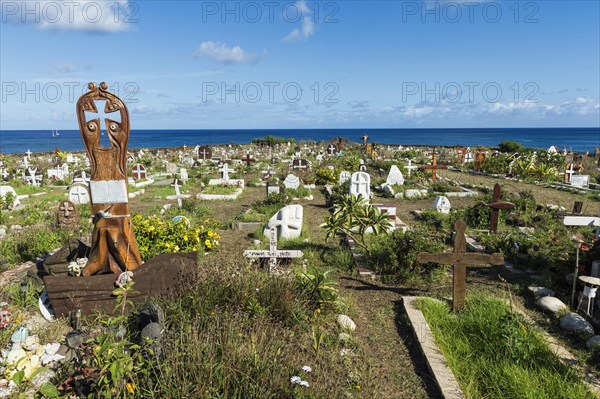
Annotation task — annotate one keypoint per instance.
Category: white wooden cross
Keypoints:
(139, 172)
(569, 173)
(272, 253)
(32, 178)
(468, 157)
(224, 169)
(28, 154)
(25, 162)
(410, 167)
(591, 221)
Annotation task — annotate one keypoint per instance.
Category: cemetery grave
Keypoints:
(235, 305)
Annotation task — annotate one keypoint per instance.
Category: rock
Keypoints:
(42, 378)
(346, 323)
(399, 195)
(66, 352)
(150, 313)
(151, 338)
(412, 193)
(551, 304)
(257, 242)
(16, 227)
(343, 337)
(309, 197)
(74, 339)
(389, 190)
(16, 353)
(577, 324)
(593, 342)
(539, 292)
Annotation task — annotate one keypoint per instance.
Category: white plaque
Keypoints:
(580, 181)
(109, 191)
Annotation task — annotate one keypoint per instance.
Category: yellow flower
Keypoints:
(319, 310)
(130, 387)
(210, 233)
(357, 387)
(185, 238)
(176, 248)
(207, 244)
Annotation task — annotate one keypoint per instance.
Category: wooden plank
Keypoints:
(161, 275)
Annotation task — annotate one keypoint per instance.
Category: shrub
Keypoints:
(325, 176)
(155, 236)
(511, 146)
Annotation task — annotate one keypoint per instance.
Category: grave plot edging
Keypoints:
(436, 363)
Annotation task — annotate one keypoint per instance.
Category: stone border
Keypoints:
(436, 362)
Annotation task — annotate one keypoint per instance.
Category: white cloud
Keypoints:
(221, 53)
(83, 15)
(306, 31)
(308, 27)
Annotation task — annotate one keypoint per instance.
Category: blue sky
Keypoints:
(326, 64)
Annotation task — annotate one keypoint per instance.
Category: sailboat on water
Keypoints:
(55, 133)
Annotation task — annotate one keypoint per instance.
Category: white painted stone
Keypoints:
(291, 181)
(551, 304)
(441, 204)
(346, 323)
(539, 292)
(412, 193)
(360, 184)
(8, 189)
(288, 221)
(344, 177)
(395, 176)
(576, 323)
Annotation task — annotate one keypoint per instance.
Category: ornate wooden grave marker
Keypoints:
(496, 206)
(272, 253)
(434, 167)
(479, 159)
(460, 259)
(114, 247)
(66, 214)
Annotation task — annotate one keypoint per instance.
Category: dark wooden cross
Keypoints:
(433, 167)
(460, 259)
(461, 152)
(496, 206)
(248, 160)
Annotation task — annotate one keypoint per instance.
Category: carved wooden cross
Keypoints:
(248, 160)
(460, 259)
(114, 248)
(496, 206)
(272, 253)
(139, 172)
(433, 167)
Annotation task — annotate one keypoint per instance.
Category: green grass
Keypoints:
(495, 354)
(220, 190)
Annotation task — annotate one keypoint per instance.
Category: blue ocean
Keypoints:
(575, 139)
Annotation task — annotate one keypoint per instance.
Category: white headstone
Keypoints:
(441, 204)
(291, 181)
(8, 189)
(78, 194)
(183, 174)
(360, 184)
(344, 177)
(288, 221)
(395, 176)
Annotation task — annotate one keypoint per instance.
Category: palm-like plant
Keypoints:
(353, 216)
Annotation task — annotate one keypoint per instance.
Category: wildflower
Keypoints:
(176, 248)
(130, 387)
(207, 243)
(185, 238)
(210, 233)
(318, 310)
(357, 387)
(304, 384)
(306, 369)
(295, 380)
